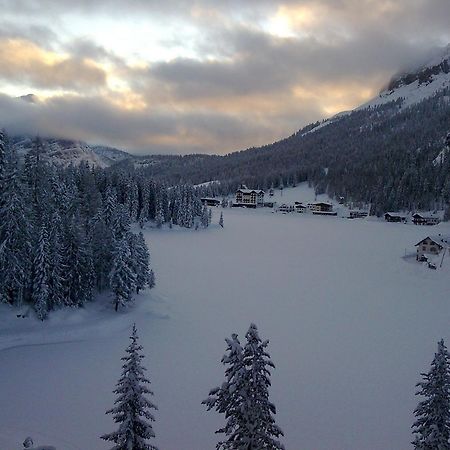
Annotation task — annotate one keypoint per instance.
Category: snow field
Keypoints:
(351, 325)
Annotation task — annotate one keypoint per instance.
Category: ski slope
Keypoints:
(351, 324)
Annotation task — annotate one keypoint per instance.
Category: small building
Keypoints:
(357, 214)
(320, 207)
(250, 198)
(395, 217)
(286, 208)
(425, 219)
(210, 201)
(432, 245)
(300, 207)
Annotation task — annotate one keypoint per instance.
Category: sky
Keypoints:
(204, 76)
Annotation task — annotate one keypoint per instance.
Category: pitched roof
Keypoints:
(437, 239)
(395, 214)
(249, 191)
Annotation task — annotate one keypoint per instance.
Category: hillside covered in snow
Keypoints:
(383, 152)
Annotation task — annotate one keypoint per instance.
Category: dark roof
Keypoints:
(249, 191)
(438, 240)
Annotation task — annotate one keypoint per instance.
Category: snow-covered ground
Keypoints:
(351, 323)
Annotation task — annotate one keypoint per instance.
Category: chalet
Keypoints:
(358, 214)
(395, 217)
(286, 208)
(210, 201)
(320, 207)
(300, 207)
(251, 198)
(425, 219)
(432, 245)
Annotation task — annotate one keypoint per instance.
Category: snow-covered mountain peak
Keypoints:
(418, 84)
(64, 152)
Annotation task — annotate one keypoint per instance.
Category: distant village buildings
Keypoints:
(417, 218)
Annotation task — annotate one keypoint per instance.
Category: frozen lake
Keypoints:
(351, 325)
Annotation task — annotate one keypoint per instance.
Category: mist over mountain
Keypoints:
(383, 152)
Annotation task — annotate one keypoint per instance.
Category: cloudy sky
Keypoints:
(205, 76)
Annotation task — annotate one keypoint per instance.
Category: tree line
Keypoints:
(384, 155)
(67, 233)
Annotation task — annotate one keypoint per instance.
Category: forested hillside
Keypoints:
(383, 154)
(66, 233)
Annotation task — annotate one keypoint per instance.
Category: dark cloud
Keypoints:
(245, 84)
(98, 120)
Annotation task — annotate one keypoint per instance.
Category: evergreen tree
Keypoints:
(244, 396)
(78, 260)
(221, 219)
(122, 277)
(432, 425)
(141, 261)
(57, 268)
(204, 219)
(41, 291)
(15, 232)
(151, 279)
(159, 216)
(132, 407)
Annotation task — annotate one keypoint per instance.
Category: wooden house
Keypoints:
(357, 214)
(210, 201)
(286, 208)
(425, 219)
(395, 217)
(300, 207)
(432, 245)
(322, 208)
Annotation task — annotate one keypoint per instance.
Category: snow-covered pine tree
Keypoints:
(159, 219)
(228, 399)
(57, 268)
(432, 425)
(80, 274)
(109, 206)
(151, 279)
(221, 219)
(244, 396)
(15, 231)
(204, 219)
(121, 222)
(132, 410)
(41, 269)
(209, 216)
(141, 261)
(122, 277)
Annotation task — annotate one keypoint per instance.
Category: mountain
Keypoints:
(387, 152)
(392, 151)
(64, 152)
